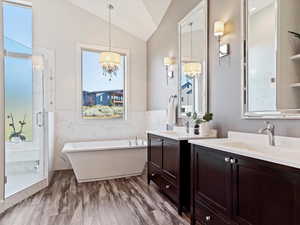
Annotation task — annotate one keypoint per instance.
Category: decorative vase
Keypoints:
(196, 129)
(204, 129)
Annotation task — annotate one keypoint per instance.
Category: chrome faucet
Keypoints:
(270, 130)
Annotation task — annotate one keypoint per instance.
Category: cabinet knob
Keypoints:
(153, 174)
(208, 218)
(232, 161)
(227, 159)
(168, 186)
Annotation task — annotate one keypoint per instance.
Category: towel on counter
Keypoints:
(171, 112)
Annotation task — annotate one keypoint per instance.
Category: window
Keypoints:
(102, 98)
(17, 27)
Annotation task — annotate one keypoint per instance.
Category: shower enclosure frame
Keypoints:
(8, 202)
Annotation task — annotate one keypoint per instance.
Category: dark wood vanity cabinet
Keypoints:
(233, 189)
(168, 160)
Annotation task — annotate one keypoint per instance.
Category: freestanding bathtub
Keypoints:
(104, 160)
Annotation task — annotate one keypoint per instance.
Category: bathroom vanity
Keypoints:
(242, 180)
(169, 164)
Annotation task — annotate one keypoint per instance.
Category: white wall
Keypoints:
(61, 26)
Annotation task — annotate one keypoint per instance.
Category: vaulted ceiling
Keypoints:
(138, 17)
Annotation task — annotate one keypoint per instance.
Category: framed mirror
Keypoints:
(193, 57)
(271, 49)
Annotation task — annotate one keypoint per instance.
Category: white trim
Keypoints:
(203, 4)
(79, 82)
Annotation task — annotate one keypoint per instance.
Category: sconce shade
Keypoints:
(38, 62)
(192, 69)
(168, 61)
(110, 61)
(219, 28)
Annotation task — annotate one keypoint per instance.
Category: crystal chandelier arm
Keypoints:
(110, 8)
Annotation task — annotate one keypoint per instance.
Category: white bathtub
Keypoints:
(104, 160)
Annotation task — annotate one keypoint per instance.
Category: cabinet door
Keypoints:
(155, 151)
(212, 179)
(171, 159)
(264, 195)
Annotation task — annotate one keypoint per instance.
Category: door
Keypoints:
(264, 195)
(155, 151)
(171, 159)
(212, 179)
(24, 113)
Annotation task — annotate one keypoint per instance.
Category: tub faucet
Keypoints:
(270, 130)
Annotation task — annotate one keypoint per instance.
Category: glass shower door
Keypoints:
(24, 128)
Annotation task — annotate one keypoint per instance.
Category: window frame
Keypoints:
(98, 48)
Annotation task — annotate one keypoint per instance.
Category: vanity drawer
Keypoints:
(169, 177)
(170, 190)
(155, 174)
(206, 216)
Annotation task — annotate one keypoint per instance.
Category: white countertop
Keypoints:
(179, 134)
(286, 152)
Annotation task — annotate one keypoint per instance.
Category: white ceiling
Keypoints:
(138, 17)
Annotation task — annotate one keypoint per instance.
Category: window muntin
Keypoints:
(101, 98)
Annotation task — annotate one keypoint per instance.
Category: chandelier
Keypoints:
(192, 68)
(110, 61)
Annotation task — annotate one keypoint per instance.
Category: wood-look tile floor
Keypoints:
(127, 201)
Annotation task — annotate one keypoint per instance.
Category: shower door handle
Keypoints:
(39, 119)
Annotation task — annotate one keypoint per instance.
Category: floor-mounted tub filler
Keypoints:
(104, 160)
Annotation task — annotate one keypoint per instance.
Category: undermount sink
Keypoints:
(258, 147)
(241, 145)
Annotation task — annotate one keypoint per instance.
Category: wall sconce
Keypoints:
(38, 63)
(219, 31)
(169, 63)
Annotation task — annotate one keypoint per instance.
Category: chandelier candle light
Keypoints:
(110, 61)
(192, 68)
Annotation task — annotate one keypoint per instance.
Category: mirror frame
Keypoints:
(244, 66)
(204, 4)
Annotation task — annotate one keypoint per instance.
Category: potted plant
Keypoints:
(204, 125)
